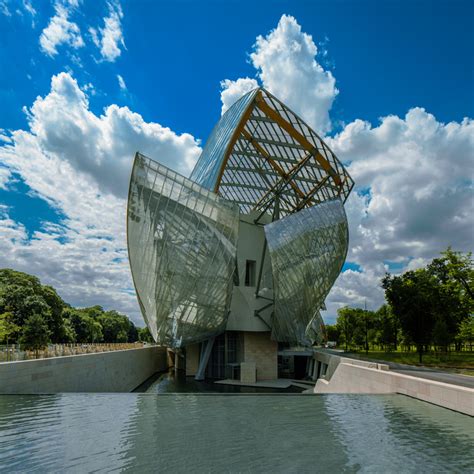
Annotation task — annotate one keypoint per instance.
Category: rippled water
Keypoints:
(231, 433)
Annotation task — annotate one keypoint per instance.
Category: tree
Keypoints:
(35, 334)
(55, 318)
(332, 332)
(455, 268)
(8, 329)
(132, 335)
(387, 327)
(414, 297)
(115, 326)
(454, 274)
(86, 329)
(466, 331)
(144, 335)
(347, 325)
(22, 295)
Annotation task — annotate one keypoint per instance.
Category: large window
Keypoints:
(250, 271)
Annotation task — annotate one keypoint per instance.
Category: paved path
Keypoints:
(422, 372)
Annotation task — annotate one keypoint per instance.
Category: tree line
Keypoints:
(35, 315)
(428, 308)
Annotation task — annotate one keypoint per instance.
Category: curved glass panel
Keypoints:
(182, 249)
(209, 163)
(307, 251)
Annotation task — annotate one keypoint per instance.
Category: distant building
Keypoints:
(232, 266)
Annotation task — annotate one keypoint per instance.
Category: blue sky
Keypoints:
(387, 56)
(398, 82)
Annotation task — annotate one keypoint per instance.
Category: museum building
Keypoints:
(232, 266)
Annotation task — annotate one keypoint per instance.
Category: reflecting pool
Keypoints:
(231, 433)
(177, 382)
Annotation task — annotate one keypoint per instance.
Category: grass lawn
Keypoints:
(460, 362)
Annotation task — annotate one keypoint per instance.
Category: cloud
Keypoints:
(109, 38)
(4, 10)
(234, 90)
(5, 176)
(61, 31)
(121, 82)
(80, 163)
(413, 174)
(413, 197)
(286, 64)
(417, 173)
(28, 6)
(103, 146)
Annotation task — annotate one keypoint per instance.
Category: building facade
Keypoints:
(232, 265)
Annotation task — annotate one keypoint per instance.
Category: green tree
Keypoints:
(22, 295)
(144, 335)
(115, 326)
(8, 329)
(332, 333)
(35, 334)
(466, 331)
(455, 276)
(347, 326)
(456, 268)
(86, 328)
(55, 317)
(387, 326)
(414, 297)
(132, 335)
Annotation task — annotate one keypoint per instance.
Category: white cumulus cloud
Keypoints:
(234, 90)
(413, 197)
(80, 164)
(121, 82)
(413, 191)
(109, 38)
(60, 30)
(286, 63)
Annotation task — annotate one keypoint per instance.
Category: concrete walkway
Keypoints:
(278, 383)
(437, 375)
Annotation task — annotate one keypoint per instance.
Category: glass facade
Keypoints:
(182, 246)
(206, 171)
(261, 160)
(260, 149)
(307, 251)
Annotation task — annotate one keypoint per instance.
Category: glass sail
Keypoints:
(182, 248)
(307, 251)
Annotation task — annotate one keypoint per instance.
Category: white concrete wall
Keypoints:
(116, 371)
(353, 376)
(244, 303)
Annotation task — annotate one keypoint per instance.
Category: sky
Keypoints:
(84, 84)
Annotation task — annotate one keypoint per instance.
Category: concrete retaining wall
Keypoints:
(116, 371)
(353, 376)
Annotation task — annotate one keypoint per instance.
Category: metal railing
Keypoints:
(15, 352)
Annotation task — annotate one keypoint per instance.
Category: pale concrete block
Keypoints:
(248, 372)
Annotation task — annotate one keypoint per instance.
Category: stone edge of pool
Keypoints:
(345, 375)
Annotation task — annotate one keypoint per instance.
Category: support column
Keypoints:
(205, 354)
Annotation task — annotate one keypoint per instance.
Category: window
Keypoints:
(250, 269)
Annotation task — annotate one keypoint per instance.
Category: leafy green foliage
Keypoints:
(8, 329)
(429, 306)
(35, 334)
(144, 335)
(22, 296)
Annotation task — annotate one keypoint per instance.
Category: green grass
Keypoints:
(460, 362)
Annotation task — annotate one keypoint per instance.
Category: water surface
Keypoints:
(231, 433)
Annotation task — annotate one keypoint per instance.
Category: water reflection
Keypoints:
(177, 382)
(232, 433)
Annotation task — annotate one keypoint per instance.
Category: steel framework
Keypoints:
(261, 158)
